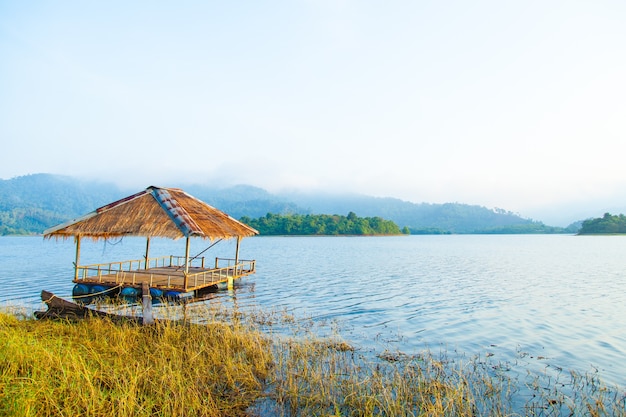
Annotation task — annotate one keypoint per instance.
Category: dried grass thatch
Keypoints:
(154, 212)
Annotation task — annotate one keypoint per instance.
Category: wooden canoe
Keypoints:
(61, 308)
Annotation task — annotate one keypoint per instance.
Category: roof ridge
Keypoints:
(177, 213)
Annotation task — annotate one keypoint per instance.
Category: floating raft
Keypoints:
(157, 212)
(166, 276)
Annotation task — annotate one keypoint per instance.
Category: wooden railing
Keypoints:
(166, 271)
(221, 273)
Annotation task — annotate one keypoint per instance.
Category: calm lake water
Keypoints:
(542, 302)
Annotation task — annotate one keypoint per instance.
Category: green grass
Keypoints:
(228, 366)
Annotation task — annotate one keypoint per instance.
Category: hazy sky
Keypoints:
(512, 104)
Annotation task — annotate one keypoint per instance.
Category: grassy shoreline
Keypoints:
(230, 365)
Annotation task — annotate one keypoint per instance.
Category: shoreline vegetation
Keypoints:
(323, 225)
(605, 225)
(351, 225)
(254, 363)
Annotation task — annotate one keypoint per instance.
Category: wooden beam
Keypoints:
(147, 253)
(146, 304)
(77, 262)
(237, 250)
(186, 263)
(231, 279)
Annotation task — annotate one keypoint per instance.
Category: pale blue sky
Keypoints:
(512, 104)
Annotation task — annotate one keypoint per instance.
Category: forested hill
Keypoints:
(608, 224)
(426, 218)
(32, 203)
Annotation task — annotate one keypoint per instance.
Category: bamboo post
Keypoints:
(146, 304)
(77, 257)
(147, 253)
(186, 263)
(231, 277)
(237, 250)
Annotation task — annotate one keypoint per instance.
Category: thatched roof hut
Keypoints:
(154, 212)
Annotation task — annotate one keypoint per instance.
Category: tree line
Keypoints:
(322, 224)
(603, 225)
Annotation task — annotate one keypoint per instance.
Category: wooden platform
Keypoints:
(165, 277)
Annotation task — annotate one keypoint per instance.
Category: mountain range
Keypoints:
(30, 204)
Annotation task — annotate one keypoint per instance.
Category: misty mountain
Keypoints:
(423, 217)
(243, 200)
(32, 203)
(55, 193)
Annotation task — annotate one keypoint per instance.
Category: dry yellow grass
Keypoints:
(226, 366)
(98, 368)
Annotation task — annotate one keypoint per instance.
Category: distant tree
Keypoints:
(321, 224)
(607, 224)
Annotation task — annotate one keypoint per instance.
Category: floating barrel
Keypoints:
(80, 293)
(80, 290)
(172, 294)
(129, 292)
(98, 289)
(178, 295)
(156, 293)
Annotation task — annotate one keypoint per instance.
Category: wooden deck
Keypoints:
(166, 273)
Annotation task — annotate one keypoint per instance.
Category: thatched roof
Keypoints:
(154, 212)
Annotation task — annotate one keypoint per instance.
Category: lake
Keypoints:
(547, 303)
